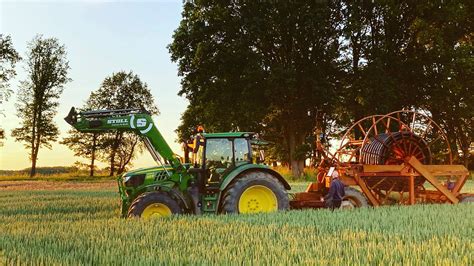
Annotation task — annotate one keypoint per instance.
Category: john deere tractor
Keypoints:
(225, 176)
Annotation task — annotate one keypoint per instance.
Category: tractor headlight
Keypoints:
(134, 180)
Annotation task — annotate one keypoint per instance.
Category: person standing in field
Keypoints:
(336, 192)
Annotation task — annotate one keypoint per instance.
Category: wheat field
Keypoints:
(78, 224)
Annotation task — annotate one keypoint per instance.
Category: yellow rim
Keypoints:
(156, 210)
(258, 199)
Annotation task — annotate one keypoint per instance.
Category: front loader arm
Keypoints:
(138, 121)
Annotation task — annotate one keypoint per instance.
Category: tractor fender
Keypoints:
(252, 167)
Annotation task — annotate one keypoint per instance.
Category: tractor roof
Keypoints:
(228, 135)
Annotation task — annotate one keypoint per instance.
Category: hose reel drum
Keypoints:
(390, 140)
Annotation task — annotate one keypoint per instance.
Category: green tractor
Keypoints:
(225, 177)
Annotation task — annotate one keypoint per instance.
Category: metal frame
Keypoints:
(405, 177)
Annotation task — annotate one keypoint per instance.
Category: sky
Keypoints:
(101, 37)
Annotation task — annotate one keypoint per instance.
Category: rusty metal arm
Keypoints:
(418, 166)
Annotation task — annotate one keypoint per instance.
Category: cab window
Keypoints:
(241, 151)
(218, 153)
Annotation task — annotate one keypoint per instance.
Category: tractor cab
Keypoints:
(231, 179)
(221, 153)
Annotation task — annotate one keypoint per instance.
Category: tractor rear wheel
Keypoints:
(154, 205)
(353, 199)
(255, 192)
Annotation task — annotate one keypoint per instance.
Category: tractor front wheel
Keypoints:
(255, 192)
(154, 205)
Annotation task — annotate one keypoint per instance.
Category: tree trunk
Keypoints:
(355, 53)
(94, 143)
(112, 164)
(120, 163)
(128, 157)
(33, 167)
(34, 157)
(301, 161)
(297, 168)
(36, 138)
(113, 153)
(296, 165)
(33, 143)
(91, 173)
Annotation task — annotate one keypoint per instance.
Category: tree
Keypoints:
(411, 55)
(47, 69)
(8, 58)
(121, 91)
(86, 145)
(443, 45)
(376, 55)
(278, 68)
(260, 66)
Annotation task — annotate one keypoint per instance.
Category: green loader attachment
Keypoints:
(224, 177)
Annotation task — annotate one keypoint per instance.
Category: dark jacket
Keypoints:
(336, 191)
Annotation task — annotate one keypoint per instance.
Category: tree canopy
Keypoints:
(258, 66)
(121, 90)
(279, 67)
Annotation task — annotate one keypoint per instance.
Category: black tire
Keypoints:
(146, 199)
(231, 198)
(355, 198)
(467, 199)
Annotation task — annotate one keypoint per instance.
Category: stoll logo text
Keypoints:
(120, 121)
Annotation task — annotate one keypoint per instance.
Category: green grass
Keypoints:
(81, 227)
(309, 174)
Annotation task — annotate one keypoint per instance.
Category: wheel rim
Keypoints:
(156, 210)
(258, 199)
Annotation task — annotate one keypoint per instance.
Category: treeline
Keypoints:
(47, 70)
(41, 170)
(284, 68)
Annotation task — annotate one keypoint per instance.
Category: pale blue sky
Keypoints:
(101, 37)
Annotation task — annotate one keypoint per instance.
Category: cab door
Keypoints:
(218, 158)
(242, 152)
